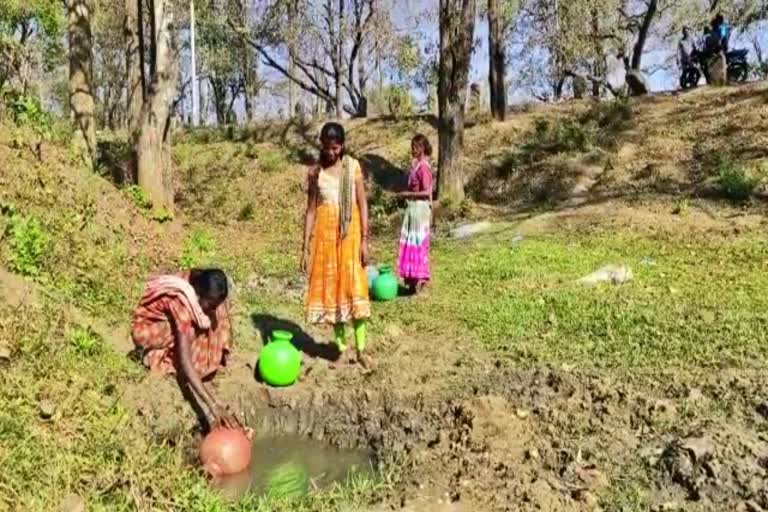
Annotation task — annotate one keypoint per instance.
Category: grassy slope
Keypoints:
(696, 301)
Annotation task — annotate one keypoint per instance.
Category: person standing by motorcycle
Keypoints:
(704, 51)
(722, 30)
(686, 50)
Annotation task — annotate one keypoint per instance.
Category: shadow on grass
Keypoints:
(266, 324)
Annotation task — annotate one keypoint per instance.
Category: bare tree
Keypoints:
(457, 28)
(134, 62)
(323, 44)
(81, 102)
(497, 61)
(153, 141)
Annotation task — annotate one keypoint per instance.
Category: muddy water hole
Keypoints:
(535, 439)
(291, 466)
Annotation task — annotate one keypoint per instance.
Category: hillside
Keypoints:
(509, 385)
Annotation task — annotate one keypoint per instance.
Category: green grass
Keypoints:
(628, 492)
(94, 445)
(692, 303)
(198, 250)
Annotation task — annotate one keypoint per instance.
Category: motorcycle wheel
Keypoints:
(689, 80)
(737, 73)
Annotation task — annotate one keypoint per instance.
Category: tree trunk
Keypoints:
(457, 26)
(558, 86)
(193, 66)
(362, 83)
(642, 35)
(152, 36)
(81, 102)
(153, 144)
(599, 66)
(134, 62)
(497, 64)
(251, 85)
(219, 93)
(203, 88)
(339, 67)
(291, 89)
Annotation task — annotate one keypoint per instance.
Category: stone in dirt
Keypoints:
(592, 478)
(614, 274)
(393, 331)
(762, 409)
(47, 409)
(699, 448)
(696, 396)
(73, 503)
(586, 497)
(5, 353)
(469, 230)
(663, 410)
(670, 506)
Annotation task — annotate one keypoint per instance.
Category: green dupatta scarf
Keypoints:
(346, 191)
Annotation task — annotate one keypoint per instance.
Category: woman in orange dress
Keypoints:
(335, 250)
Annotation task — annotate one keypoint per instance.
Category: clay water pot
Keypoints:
(225, 451)
(280, 362)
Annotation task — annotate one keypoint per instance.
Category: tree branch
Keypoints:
(313, 88)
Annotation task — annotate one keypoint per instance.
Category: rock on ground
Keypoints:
(614, 274)
(470, 230)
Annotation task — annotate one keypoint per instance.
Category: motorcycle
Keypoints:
(691, 76)
(737, 68)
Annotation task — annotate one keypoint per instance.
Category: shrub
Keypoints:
(28, 244)
(138, 197)
(569, 135)
(735, 181)
(85, 341)
(28, 111)
(197, 247)
(247, 212)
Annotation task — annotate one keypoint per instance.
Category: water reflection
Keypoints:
(292, 466)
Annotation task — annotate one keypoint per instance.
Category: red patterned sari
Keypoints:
(163, 310)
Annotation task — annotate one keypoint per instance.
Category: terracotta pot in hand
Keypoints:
(225, 451)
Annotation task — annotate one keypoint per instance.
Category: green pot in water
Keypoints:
(280, 361)
(385, 286)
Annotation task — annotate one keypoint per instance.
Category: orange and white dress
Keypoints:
(338, 283)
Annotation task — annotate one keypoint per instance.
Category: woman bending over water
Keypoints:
(182, 325)
(335, 250)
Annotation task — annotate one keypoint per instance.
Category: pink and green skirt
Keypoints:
(413, 254)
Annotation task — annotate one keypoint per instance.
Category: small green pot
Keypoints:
(385, 286)
(280, 362)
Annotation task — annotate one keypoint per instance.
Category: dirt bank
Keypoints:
(536, 439)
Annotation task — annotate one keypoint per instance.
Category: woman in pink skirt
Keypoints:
(413, 254)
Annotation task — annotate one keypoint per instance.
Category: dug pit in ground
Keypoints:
(524, 440)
